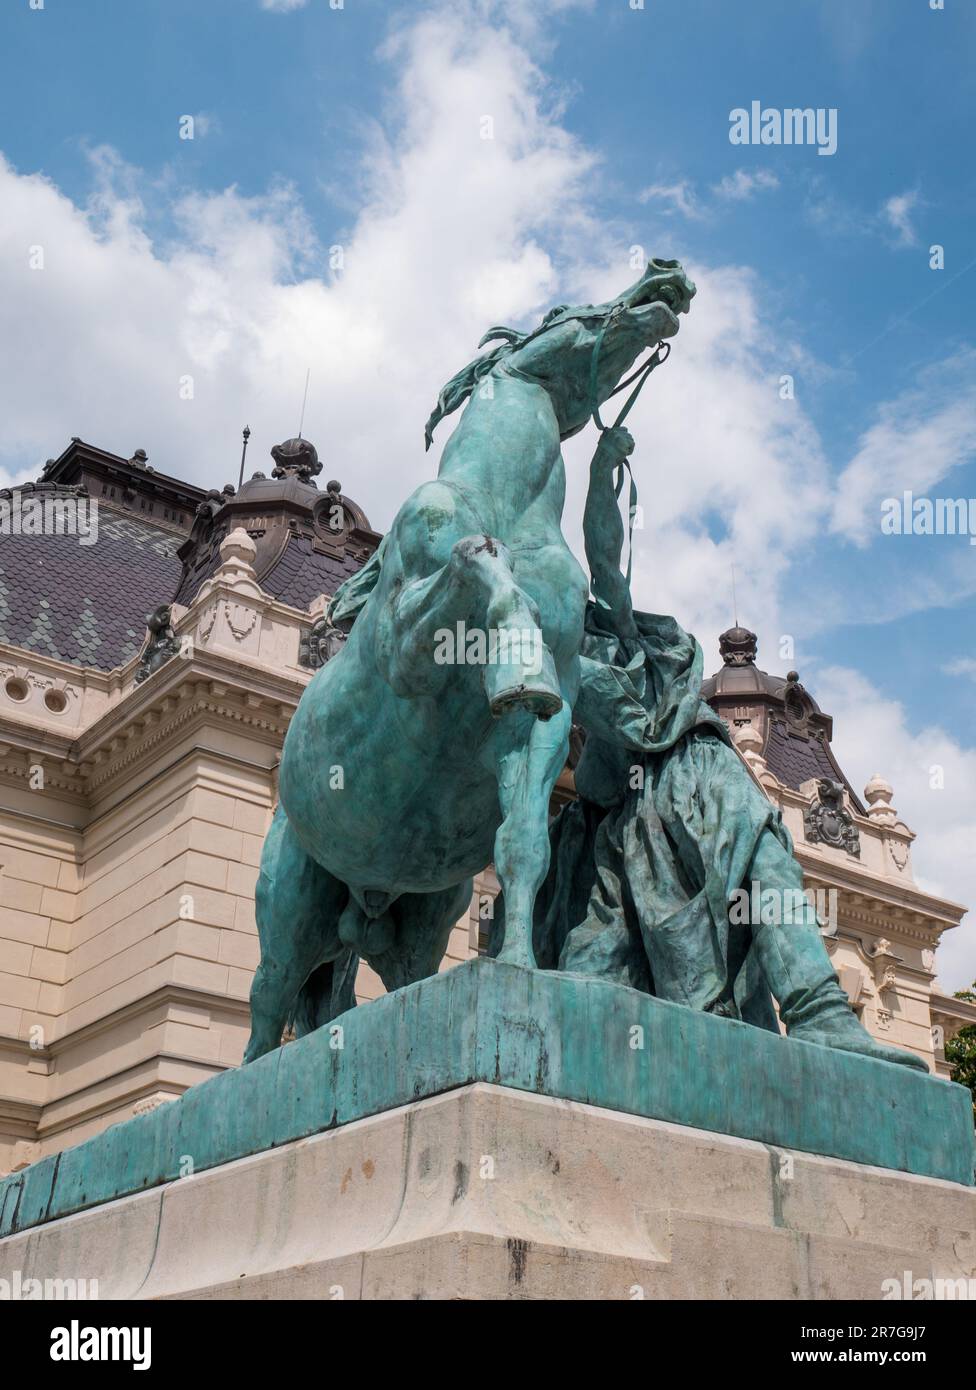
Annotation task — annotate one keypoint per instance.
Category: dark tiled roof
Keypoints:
(194, 579)
(86, 604)
(797, 757)
(302, 573)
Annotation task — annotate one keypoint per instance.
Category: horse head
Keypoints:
(580, 352)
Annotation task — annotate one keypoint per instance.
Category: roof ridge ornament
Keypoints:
(296, 458)
(738, 646)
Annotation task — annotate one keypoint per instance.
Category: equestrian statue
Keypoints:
(417, 756)
(403, 775)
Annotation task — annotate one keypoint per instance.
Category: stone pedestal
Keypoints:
(490, 1193)
(493, 1132)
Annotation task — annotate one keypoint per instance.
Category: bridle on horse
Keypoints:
(659, 354)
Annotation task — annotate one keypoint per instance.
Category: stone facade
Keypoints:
(134, 806)
(881, 928)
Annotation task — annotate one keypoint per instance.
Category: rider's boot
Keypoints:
(797, 969)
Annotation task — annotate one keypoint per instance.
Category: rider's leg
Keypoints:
(529, 758)
(423, 924)
(298, 907)
(798, 971)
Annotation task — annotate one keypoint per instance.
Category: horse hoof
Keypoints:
(542, 703)
(514, 687)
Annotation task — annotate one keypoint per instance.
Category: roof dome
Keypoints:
(308, 541)
(741, 678)
(794, 730)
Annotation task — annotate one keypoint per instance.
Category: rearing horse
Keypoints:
(404, 774)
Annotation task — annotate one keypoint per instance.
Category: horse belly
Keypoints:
(376, 810)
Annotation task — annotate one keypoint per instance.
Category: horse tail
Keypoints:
(329, 991)
(350, 598)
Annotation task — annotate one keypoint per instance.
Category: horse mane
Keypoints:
(461, 385)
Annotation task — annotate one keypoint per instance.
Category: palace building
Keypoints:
(147, 678)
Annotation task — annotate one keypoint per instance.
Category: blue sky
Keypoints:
(358, 127)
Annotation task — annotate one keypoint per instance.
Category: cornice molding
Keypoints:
(868, 892)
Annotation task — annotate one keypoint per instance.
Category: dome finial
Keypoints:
(296, 458)
(738, 646)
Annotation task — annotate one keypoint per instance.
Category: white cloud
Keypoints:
(965, 666)
(283, 6)
(917, 439)
(740, 186)
(98, 340)
(897, 212)
(205, 123)
(676, 197)
(872, 734)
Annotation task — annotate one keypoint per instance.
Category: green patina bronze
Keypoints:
(402, 776)
(444, 767)
(532, 1030)
(669, 826)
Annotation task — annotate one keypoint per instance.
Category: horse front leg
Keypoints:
(470, 612)
(529, 758)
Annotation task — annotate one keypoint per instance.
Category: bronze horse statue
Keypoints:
(430, 744)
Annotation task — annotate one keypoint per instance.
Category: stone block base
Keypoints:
(486, 1192)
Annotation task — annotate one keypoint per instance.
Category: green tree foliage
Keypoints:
(960, 1051)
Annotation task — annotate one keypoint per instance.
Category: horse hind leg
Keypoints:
(298, 907)
(329, 991)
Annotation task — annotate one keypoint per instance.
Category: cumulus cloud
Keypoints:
(872, 734)
(897, 212)
(675, 197)
(283, 6)
(243, 297)
(916, 440)
(741, 186)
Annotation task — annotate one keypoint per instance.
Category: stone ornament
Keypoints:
(162, 644)
(827, 821)
(322, 641)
